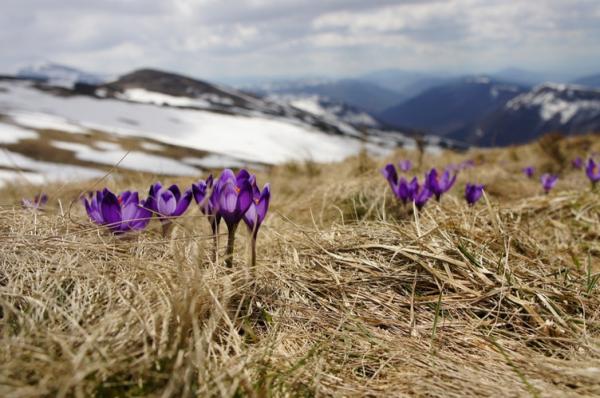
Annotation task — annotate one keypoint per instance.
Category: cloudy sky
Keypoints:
(226, 38)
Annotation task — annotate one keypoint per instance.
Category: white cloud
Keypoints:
(208, 38)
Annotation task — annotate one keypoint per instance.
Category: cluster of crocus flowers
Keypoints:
(548, 181)
(473, 193)
(120, 213)
(407, 191)
(231, 198)
(592, 171)
(37, 203)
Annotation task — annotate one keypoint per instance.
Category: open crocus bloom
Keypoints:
(473, 193)
(257, 211)
(234, 196)
(592, 171)
(38, 202)
(168, 202)
(528, 171)
(439, 185)
(120, 214)
(405, 165)
(548, 181)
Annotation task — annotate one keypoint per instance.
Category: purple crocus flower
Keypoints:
(233, 195)
(422, 196)
(168, 202)
(38, 202)
(405, 191)
(593, 171)
(528, 171)
(548, 181)
(256, 213)
(473, 193)
(204, 195)
(120, 214)
(405, 165)
(577, 163)
(439, 185)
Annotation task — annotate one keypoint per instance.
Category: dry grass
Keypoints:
(351, 296)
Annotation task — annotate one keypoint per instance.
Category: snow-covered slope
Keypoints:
(58, 75)
(162, 123)
(333, 111)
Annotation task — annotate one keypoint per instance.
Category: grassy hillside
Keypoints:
(352, 295)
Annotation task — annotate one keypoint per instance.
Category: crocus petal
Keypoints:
(111, 210)
(183, 204)
(176, 192)
(166, 203)
(245, 197)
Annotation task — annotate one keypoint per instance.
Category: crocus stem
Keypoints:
(230, 245)
(166, 228)
(253, 252)
(215, 230)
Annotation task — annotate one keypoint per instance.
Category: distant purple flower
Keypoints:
(38, 202)
(473, 193)
(405, 165)
(467, 164)
(422, 196)
(593, 171)
(528, 171)
(577, 163)
(390, 174)
(168, 203)
(548, 181)
(406, 190)
(120, 214)
(439, 185)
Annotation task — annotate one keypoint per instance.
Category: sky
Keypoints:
(286, 38)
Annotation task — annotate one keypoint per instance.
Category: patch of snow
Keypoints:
(39, 120)
(70, 146)
(554, 100)
(150, 146)
(150, 97)
(138, 161)
(11, 134)
(214, 161)
(37, 172)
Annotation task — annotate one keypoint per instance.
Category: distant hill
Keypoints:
(454, 106)
(546, 108)
(407, 83)
(361, 94)
(58, 75)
